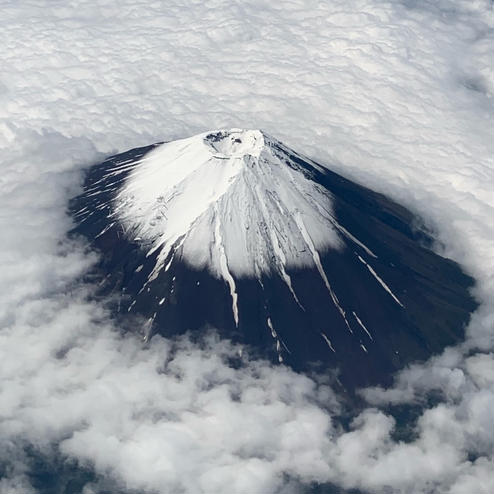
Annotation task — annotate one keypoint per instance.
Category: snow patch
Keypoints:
(381, 282)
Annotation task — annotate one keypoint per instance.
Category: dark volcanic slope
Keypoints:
(393, 300)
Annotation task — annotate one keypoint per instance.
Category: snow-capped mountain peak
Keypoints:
(230, 200)
(233, 230)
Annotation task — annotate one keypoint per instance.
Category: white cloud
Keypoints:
(396, 95)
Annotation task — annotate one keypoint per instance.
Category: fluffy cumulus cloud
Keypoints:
(394, 94)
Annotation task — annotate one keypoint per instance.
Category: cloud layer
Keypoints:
(396, 95)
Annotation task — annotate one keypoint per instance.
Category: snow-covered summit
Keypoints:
(235, 142)
(234, 201)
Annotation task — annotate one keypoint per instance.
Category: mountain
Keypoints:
(233, 230)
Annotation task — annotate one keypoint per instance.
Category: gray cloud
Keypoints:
(396, 95)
